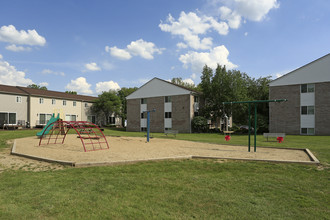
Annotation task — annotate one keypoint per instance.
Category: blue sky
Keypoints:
(94, 46)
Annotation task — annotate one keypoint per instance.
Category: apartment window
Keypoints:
(18, 99)
(86, 104)
(44, 118)
(168, 114)
(307, 110)
(112, 120)
(91, 118)
(74, 103)
(307, 88)
(143, 115)
(53, 101)
(307, 131)
(168, 98)
(70, 117)
(143, 129)
(12, 118)
(143, 101)
(196, 99)
(41, 100)
(168, 129)
(64, 102)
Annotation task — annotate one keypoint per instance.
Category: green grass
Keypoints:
(185, 189)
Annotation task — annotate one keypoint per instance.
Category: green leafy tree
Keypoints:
(199, 124)
(107, 103)
(71, 92)
(180, 82)
(122, 94)
(35, 86)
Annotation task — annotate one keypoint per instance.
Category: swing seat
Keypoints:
(276, 135)
(228, 132)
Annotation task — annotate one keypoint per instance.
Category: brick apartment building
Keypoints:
(175, 107)
(307, 111)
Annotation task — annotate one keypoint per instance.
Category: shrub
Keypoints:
(199, 124)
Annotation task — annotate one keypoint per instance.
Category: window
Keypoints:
(18, 99)
(168, 98)
(64, 102)
(168, 114)
(86, 104)
(41, 100)
(74, 103)
(142, 115)
(44, 118)
(196, 99)
(307, 110)
(143, 101)
(91, 118)
(53, 101)
(12, 118)
(168, 129)
(307, 88)
(70, 117)
(112, 120)
(196, 114)
(143, 129)
(307, 131)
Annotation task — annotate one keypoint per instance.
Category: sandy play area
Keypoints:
(132, 149)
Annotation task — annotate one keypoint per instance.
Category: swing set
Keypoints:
(227, 137)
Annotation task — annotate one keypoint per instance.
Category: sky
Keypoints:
(93, 46)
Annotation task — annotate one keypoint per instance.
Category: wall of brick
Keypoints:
(181, 111)
(156, 118)
(285, 116)
(133, 115)
(322, 108)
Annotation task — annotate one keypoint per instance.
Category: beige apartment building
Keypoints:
(21, 105)
(174, 105)
(307, 89)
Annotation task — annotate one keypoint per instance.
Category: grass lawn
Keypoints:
(185, 189)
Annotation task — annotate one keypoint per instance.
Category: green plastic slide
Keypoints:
(51, 120)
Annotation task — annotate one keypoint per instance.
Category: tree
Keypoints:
(71, 92)
(180, 82)
(122, 94)
(35, 86)
(107, 103)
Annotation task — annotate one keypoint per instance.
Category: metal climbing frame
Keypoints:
(91, 136)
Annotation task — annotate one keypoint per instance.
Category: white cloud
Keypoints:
(44, 84)
(79, 85)
(92, 67)
(190, 81)
(107, 66)
(255, 10)
(139, 47)
(193, 76)
(233, 18)
(48, 72)
(217, 55)
(9, 34)
(143, 49)
(15, 48)
(190, 26)
(118, 53)
(10, 76)
(106, 86)
(181, 45)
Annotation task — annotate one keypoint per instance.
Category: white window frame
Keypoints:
(74, 103)
(41, 100)
(64, 102)
(86, 104)
(18, 99)
(53, 101)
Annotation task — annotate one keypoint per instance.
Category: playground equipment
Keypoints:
(148, 122)
(91, 136)
(47, 128)
(255, 117)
